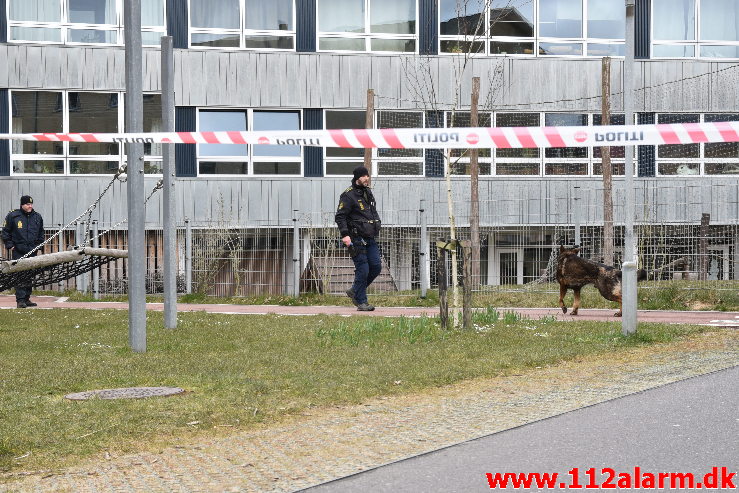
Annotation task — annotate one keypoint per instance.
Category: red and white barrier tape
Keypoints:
(418, 138)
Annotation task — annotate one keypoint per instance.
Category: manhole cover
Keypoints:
(125, 393)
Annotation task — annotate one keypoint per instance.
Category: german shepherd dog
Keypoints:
(574, 272)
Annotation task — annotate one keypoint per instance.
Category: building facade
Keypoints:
(307, 64)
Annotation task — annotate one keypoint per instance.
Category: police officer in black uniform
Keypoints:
(359, 225)
(22, 232)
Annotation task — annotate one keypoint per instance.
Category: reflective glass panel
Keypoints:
(217, 121)
(93, 167)
(679, 168)
(399, 168)
(345, 16)
(38, 166)
(461, 17)
(721, 149)
(92, 11)
(393, 45)
(560, 18)
(673, 51)
(92, 36)
(673, 19)
(276, 168)
(222, 14)
(603, 49)
(512, 18)
(678, 151)
(505, 48)
(399, 119)
(269, 42)
(223, 168)
(269, 15)
(152, 121)
(93, 112)
(341, 44)
(341, 167)
(276, 120)
(560, 49)
(472, 47)
(152, 13)
(517, 120)
(719, 20)
(214, 40)
(393, 16)
(35, 10)
(35, 34)
(606, 19)
(36, 112)
(719, 51)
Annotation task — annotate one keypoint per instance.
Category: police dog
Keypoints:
(574, 272)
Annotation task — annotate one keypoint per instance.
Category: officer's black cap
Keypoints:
(26, 199)
(359, 172)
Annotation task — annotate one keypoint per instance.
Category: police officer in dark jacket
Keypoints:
(359, 225)
(22, 232)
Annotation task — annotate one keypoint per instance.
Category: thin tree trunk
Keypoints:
(607, 169)
(474, 191)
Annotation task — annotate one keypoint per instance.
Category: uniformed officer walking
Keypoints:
(22, 232)
(359, 226)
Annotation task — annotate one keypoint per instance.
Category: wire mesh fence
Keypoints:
(678, 242)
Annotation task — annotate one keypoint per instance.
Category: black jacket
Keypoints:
(23, 231)
(356, 214)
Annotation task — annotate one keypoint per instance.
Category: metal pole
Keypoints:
(296, 255)
(78, 240)
(576, 213)
(188, 257)
(96, 272)
(135, 184)
(168, 207)
(628, 321)
(423, 252)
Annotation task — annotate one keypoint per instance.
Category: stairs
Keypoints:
(334, 274)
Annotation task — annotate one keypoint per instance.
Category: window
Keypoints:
(367, 25)
(460, 158)
(80, 21)
(246, 24)
(399, 161)
(565, 160)
(532, 27)
(695, 28)
(62, 112)
(242, 159)
(517, 161)
(339, 160)
(617, 153)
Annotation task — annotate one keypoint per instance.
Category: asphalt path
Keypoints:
(689, 426)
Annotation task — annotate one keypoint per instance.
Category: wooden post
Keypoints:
(703, 248)
(369, 123)
(474, 193)
(466, 284)
(608, 238)
(441, 279)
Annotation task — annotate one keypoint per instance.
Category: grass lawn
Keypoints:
(243, 371)
(660, 295)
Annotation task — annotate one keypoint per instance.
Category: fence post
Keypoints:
(188, 256)
(96, 271)
(78, 241)
(576, 214)
(424, 261)
(703, 247)
(628, 285)
(296, 255)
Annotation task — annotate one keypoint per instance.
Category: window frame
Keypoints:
(367, 36)
(65, 26)
(242, 31)
(249, 159)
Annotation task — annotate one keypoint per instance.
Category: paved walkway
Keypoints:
(329, 443)
(722, 319)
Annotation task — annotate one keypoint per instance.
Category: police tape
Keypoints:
(419, 138)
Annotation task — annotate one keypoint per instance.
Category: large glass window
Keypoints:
(399, 161)
(460, 158)
(246, 24)
(566, 160)
(77, 112)
(367, 25)
(339, 160)
(80, 21)
(241, 159)
(532, 27)
(695, 28)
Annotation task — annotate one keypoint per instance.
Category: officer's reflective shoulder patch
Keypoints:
(20, 224)
(348, 189)
(341, 205)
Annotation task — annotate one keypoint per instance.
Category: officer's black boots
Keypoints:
(365, 307)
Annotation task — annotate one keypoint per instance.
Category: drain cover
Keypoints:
(125, 393)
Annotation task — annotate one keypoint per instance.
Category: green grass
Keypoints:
(662, 295)
(243, 370)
